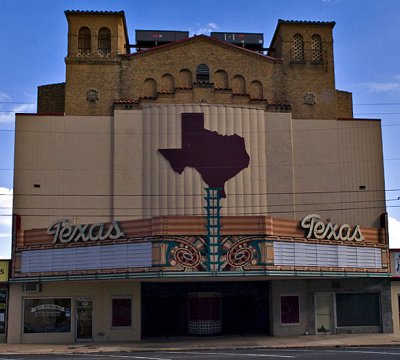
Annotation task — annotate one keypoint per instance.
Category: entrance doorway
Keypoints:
(324, 313)
(205, 308)
(84, 319)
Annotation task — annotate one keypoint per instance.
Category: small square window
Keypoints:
(121, 312)
(290, 309)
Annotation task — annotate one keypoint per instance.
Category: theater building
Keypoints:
(197, 185)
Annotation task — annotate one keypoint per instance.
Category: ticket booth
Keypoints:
(204, 313)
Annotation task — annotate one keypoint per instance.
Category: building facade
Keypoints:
(4, 274)
(199, 185)
(395, 267)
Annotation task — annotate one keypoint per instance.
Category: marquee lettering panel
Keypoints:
(298, 254)
(87, 258)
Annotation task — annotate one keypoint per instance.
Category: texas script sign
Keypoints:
(64, 232)
(317, 229)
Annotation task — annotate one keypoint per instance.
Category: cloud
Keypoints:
(8, 114)
(388, 86)
(383, 87)
(394, 233)
(6, 200)
(211, 26)
(4, 96)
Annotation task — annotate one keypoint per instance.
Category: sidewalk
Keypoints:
(207, 343)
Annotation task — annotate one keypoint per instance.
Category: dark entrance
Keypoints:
(244, 307)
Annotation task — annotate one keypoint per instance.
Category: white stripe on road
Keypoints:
(228, 354)
(342, 351)
(365, 352)
(121, 356)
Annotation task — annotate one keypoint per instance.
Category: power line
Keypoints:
(266, 130)
(361, 104)
(202, 194)
(200, 207)
(374, 113)
(313, 163)
(378, 104)
(202, 214)
(378, 113)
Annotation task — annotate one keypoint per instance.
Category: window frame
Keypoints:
(379, 303)
(297, 295)
(316, 49)
(298, 47)
(121, 297)
(203, 74)
(103, 39)
(85, 39)
(24, 299)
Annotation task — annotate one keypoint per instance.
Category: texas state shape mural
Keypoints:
(216, 157)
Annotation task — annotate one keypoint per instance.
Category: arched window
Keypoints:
(84, 41)
(185, 79)
(150, 88)
(316, 46)
(256, 90)
(104, 41)
(238, 85)
(167, 83)
(298, 48)
(221, 79)
(203, 74)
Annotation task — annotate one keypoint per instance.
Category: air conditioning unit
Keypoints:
(32, 287)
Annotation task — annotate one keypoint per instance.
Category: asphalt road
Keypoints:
(361, 353)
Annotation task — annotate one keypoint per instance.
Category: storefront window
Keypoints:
(121, 312)
(47, 315)
(290, 309)
(357, 309)
(3, 299)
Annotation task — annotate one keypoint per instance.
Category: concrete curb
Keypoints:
(207, 344)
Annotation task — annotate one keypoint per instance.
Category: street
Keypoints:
(359, 353)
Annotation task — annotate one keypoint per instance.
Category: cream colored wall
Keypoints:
(296, 166)
(101, 292)
(128, 164)
(395, 306)
(333, 158)
(139, 135)
(70, 157)
(395, 289)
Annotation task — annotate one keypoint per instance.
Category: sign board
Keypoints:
(396, 263)
(4, 265)
(317, 229)
(64, 232)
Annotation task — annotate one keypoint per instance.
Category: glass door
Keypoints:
(84, 319)
(324, 314)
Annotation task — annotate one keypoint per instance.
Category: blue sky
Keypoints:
(366, 42)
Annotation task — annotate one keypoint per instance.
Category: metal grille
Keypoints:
(84, 41)
(298, 48)
(104, 42)
(204, 327)
(203, 73)
(316, 46)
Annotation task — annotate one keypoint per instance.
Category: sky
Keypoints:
(366, 44)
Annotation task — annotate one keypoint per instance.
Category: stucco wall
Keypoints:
(101, 293)
(93, 169)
